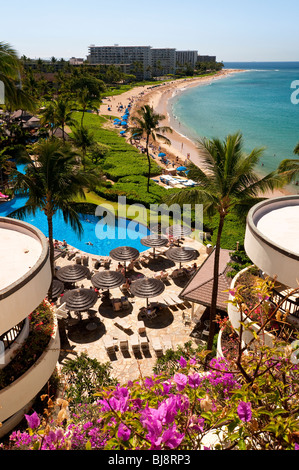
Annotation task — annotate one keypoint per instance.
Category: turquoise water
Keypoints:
(121, 233)
(256, 102)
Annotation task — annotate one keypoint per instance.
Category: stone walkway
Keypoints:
(172, 324)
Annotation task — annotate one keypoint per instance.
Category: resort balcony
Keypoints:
(271, 242)
(271, 239)
(25, 278)
(25, 274)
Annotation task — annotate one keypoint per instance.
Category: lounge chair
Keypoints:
(78, 259)
(123, 324)
(61, 312)
(166, 343)
(124, 345)
(176, 298)
(157, 347)
(134, 341)
(125, 302)
(109, 344)
(141, 326)
(116, 304)
(144, 343)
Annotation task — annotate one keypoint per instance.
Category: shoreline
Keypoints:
(182, 148)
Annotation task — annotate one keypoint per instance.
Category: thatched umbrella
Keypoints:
(57, 288)
(124, 254)
(80, 300)
(147, 288)
(154, 241)
(178, 231)
(72, 273)
(107, 279)
(181, 254)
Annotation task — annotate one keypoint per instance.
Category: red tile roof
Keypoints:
(199, 288)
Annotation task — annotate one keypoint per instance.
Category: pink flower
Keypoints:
(182, 361)
(194, 380)
(33, 420)
(181, 381)
(244, 411)
(123, 432)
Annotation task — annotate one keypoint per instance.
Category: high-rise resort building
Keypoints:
(144, 61)
(206, 58)
(186, 58)
(130, 59)
(163, 61)
(25, 278)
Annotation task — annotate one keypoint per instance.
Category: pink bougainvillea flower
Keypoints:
(33, 420)
(244, 411)
(181, 381)
(182, 361)
(123, 432)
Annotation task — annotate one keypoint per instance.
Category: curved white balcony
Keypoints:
(25, 274)
(271, 238)
(15, 397)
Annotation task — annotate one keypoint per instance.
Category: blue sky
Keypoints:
(251, 30)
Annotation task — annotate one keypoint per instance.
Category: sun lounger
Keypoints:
(157, 347)
(134, 341)
(61, 312)
(78, 259)
(166, 343)
(144, 343)
(140, 327)
(124, 345)
(116, 304)
(123, 324)
(109, 344)
(176, 298)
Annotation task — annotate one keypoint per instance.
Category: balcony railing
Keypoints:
(8, 338)
(290, 305)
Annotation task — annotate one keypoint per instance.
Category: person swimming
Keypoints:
(89, 243)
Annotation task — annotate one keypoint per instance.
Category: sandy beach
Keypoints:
(181, 148)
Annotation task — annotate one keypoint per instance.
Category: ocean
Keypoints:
(257, 102)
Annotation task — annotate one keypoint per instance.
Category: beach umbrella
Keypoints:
(107, 279)
(181, 254)
(122, 132)
(124, 123)
(181, 168)
(154, 241)
(178, 231)
(80, 300)
(147, 288)
(72, 273)
(57, 288)
(124, 254)
(161, 154)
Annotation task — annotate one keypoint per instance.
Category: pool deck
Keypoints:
(172, 324)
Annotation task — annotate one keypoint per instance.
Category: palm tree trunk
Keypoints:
(51, 251)
(149, 164)
(213, 308)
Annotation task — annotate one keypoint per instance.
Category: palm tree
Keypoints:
(86, 102)
(83, 139)
(290, 166)
(52, 182)
(9, 70)
(63, 115)
(148, 125)
(228, 183)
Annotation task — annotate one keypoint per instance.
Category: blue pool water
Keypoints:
(103, 238)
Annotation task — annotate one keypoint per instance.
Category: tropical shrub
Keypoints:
(246, 402)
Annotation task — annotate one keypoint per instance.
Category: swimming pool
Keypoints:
(123, 233)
